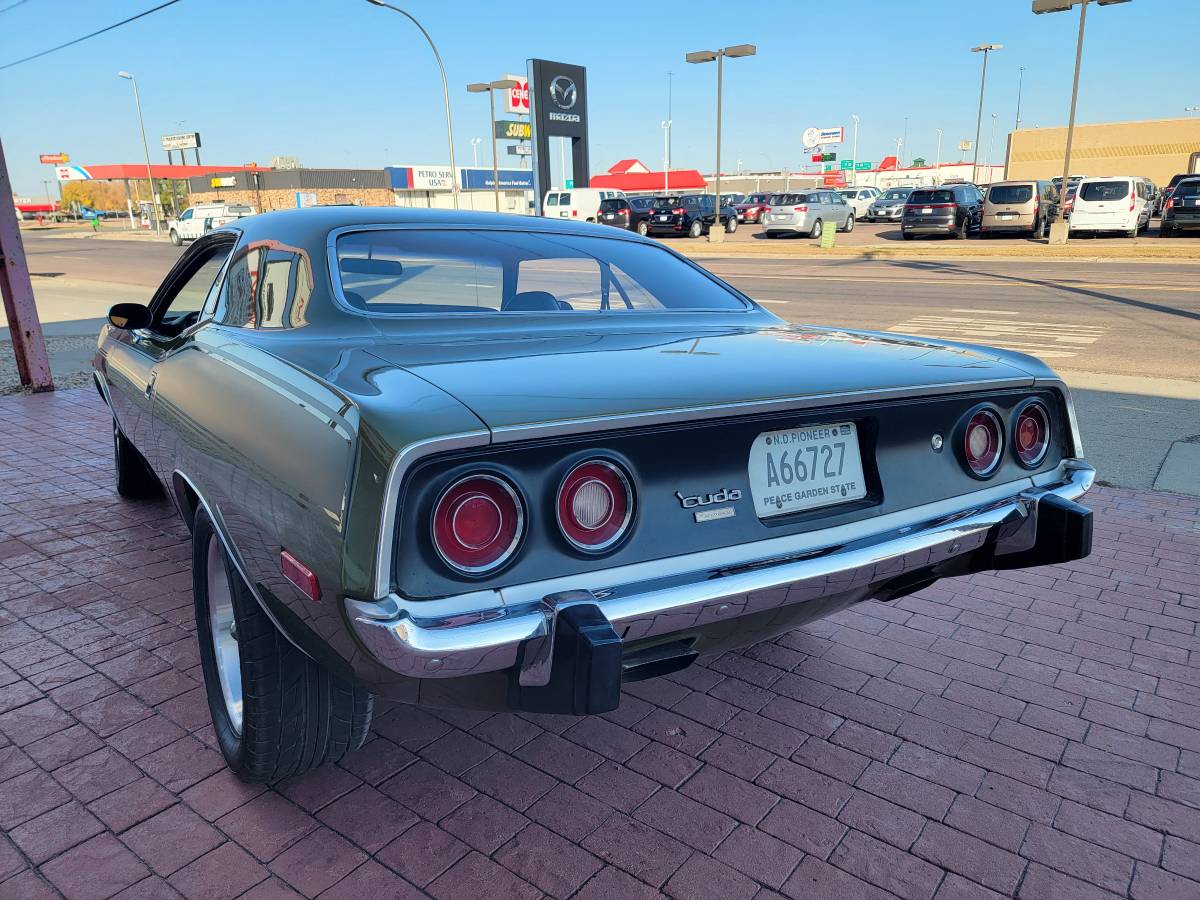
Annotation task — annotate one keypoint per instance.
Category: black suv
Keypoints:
(955, 209)
(691, 214)
(1182, 211)
(627, 212)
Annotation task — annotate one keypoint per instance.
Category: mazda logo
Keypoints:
(563, 92)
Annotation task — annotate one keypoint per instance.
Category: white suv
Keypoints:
(198, 220)
(860, 199)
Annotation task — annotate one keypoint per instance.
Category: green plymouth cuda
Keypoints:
(500, 462)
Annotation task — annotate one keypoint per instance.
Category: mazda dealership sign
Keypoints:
(558, 108)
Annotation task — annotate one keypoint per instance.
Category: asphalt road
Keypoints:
(1124, 334)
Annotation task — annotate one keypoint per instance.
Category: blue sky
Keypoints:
(342, 83)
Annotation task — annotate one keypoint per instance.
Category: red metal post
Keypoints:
(24, 328)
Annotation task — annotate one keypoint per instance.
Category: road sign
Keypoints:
(54, 159)
(862, 166)
(813, 137)
(520, 150)
(965, 145)
(847, 164)
(517, 98)
(570, 183)
(512, 130)
(187, 141)
(828, 157)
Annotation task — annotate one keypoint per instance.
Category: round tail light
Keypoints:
(1031, 434)
(477, 523)
(594, 505)
(983, 439)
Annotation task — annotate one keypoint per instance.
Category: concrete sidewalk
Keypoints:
(1029, 734)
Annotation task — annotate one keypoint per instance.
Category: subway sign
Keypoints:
(512, 130)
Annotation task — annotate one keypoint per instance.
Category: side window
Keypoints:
(564, 199)
(187, 214)
(177, 311)
(236, 304)
(552, 199)
(284, 290)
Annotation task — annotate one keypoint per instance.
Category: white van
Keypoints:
(577, 203)
(196, 221)
(1112, 203)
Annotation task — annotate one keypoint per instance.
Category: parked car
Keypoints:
(202, 218)
(953, 209)
(1154, 196)
(888, 206)
(1182, 212)
(627, 212)
(732, 199)
(448, 459)
(1111, 203)
(860, 199)
(577, 203)
(1019, 207)
(750, 210)
(807, 213)
(1167, 191)
(690, 214)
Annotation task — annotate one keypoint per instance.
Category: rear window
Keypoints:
(931, 197)
(756, 198)
(611, 205)
(399, 271)
(641, 203)
(1188, 189)
(1104, 190)
(1010, 193)
(896, 195)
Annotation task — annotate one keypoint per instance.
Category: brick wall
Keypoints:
(267, 200)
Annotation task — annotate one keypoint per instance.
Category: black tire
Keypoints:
(175, 238)
(695, 229)
(296, 715)
(817, 228)
(134, 479)
(642, 228)
(849, 223)
(731, 225)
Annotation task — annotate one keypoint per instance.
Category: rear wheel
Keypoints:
(849, 223)
(275, 711)
(696, 229)
(642, 228)
(135, 481)
(817, 228)
(730, 225)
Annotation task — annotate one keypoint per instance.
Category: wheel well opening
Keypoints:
(186, 499)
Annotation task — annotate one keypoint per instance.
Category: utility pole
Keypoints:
(985, 49)
(24, 328)
(937, 169)
(854, 152)
(1020, 84)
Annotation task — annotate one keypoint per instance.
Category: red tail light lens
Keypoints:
(800, 208)
(1031, 434)
(983, 439)
(594, 505)
(679, 212)
(477, 523)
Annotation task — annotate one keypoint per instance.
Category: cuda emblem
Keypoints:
(724, 495)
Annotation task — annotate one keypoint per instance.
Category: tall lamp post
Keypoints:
(445, 92)
(475, 142)
(1020, 84)
(937, 168)
(854, 152)
(1191, 109)
(991, 149)
(666, 127)
(491, 87)
(715, 234)
(1059, 229)
(985, 49)
(146, 148)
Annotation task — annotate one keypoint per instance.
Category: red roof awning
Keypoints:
(680, 180)
(120, 171)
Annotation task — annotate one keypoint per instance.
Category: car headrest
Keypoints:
(533, 301)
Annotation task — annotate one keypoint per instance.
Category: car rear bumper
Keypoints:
(567, 649)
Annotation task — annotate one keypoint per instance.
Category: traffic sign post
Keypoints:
(847, 164)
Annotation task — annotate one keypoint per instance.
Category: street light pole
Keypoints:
(991, 149)
(146, 148)
(985, 49)
(666, 127)
(937, 169)
(475, 142)
(1020, 84)
(1191, 109)
(905, 141)
(715, 234)
(491, 87)
(854, 152)
(445, 92)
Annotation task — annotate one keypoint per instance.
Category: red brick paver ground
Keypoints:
(1030, 734)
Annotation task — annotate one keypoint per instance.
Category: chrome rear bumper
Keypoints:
(491, 631)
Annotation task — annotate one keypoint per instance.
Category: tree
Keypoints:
(102, 195)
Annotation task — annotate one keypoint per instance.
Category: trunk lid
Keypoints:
(513, 380)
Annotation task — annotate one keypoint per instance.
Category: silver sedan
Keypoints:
(890, 206)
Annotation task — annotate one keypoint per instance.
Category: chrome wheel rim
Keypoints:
(223, 631)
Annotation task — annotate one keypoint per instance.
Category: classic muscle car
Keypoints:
(509, 463)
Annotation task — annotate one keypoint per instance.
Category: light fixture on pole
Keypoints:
(715, 233)
(445, 91)
(899, 144)
(475, 142)
(854, 152)
(146, 148)
(904, 143)
(666, 127)
(1020, 84)
(1059, 229)
(1191, 109)
(490, 87)
(985, 49)
(937, 168)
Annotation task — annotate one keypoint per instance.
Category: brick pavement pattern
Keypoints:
(1030, 734)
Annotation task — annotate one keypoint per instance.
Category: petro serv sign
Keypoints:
(558, 107)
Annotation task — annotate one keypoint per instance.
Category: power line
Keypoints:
(12, 6)
(79, 40)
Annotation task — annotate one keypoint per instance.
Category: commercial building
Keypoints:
(1154, 148)
(634, 177)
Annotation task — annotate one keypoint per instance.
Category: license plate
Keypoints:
(664, 218)
(1006, 216)
(926, 209)
(780, 217)
(610, 215)
(805, 468)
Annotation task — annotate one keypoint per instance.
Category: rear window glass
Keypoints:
(1188, 189)
(931, 197)
(896, 195)
(1011, 193)
(612, 205)
(641, 203)
(397, 271)
(666, 203)
(756, 198)
(1104, 190)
